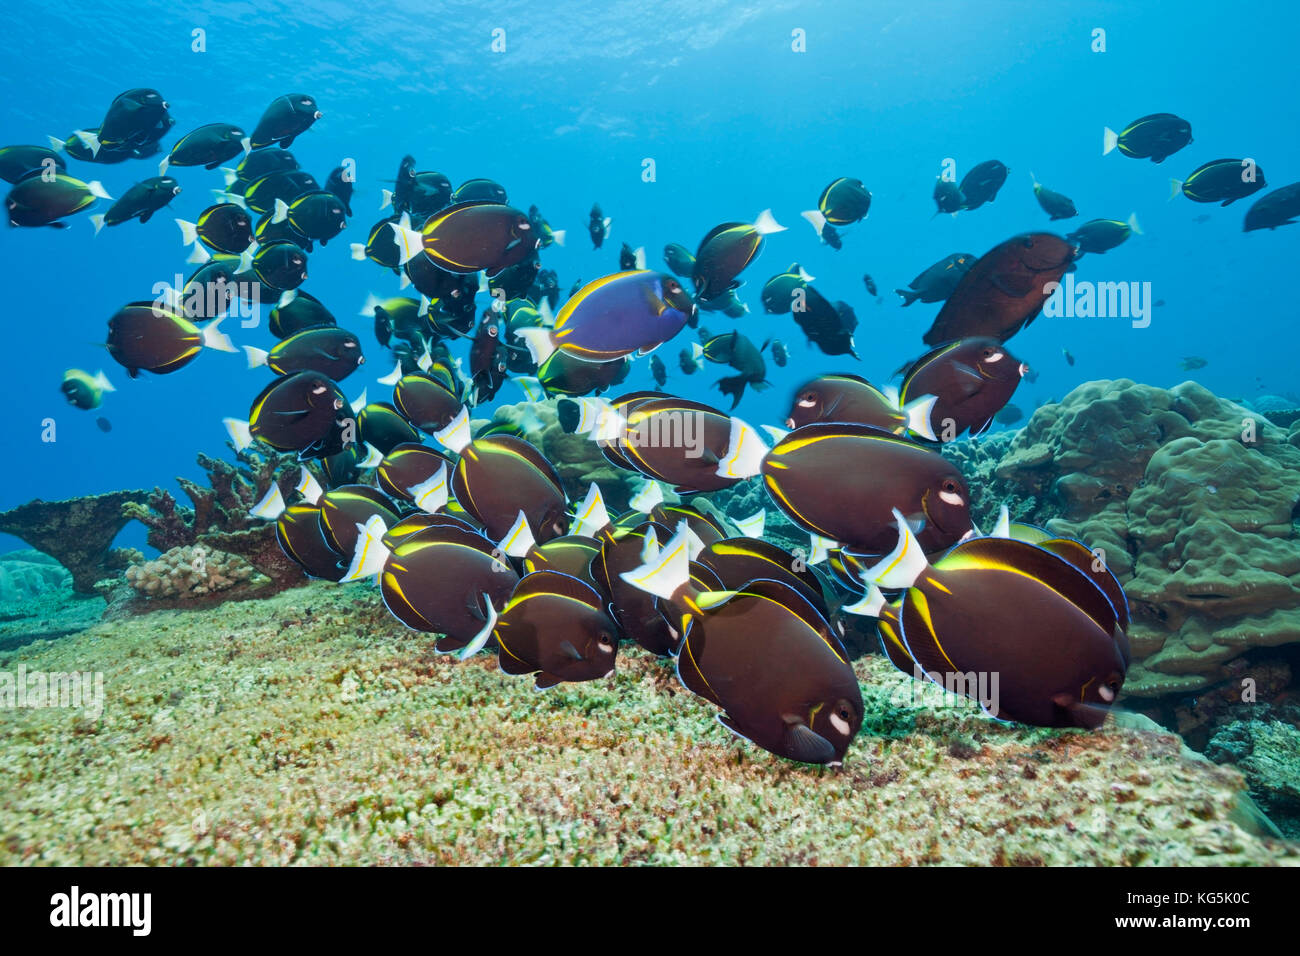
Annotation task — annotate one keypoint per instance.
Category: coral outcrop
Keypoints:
(191, 572)
(26, 574)
(1267, 752)
(76, 532)
(1191, 499)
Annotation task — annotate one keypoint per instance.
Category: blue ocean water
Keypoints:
(735, 121)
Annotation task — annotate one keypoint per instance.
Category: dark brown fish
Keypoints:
(383, 426)
(1005, 290)
(408, 466)
(851, 398)
(343, 508)
(302, 538)
(676, 441)
(972, 380)
(300, 413)
(498, 476)
(425, 402)
(624, 549)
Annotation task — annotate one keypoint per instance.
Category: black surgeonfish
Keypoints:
(499, 476)
(780, 355)
(471, 236)
(1278, 208)
(407, 470)
(554, 626)
(303, 311)
(1035, 617)
(598, 226)
(425, 402)
(298, 530)
(280, 264)
(284, 120)
(737, 561)
(487, 359)
(1102, 235)
(208, 146)
(625, 548)
(297, 413)
(156, 338)
(971, 380)
(329, 350)
(261, 163)
(41, 201)
(939, 281)
(844, 202)
(725, 252)
(340, 183)
(981, 184)
(18, 162)
(1155, 137)
(225, 227)
(1056, 205)
(948, 197)
(852, 399)
(317, 214)
(843, 481)
(1222, 180)
(135, 117)
(827, 325)
(480, 190)
(382, 425)
(1005, 290)
(765, 655)
(781, 293)
(679, 260)
(346, 509)
(141, 201)
(734, 349)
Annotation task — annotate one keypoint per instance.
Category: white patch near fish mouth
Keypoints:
(952, 498)
(1105, 693)
(840, 724)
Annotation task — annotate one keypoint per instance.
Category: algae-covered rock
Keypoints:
(76, 532)
(1190, 499)
(25, 574)
(1268, 753)
(191, 573)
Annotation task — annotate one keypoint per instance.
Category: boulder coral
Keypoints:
(1190, 500)
(191, 572)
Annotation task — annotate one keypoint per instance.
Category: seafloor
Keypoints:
(313, 728)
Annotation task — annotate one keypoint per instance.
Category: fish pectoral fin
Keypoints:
(805, 744)
(727, 721)
(568, 650)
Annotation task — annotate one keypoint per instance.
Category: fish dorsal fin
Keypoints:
(557, 583)
(754, 554)
(798, 605)
(715, 232)
(1077, 554)
(525, 450)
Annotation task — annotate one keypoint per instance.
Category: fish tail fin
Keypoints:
(256, 357)
(670, 571)
(245, 261)
(816, 219)
(774, 433)
(918, 413)
(162, 166)
(519, 539)
(271, 506)
(374, 457)
(430, 495)
(359, 402)
(308, 486)
(368, 309)
(821, 548)
(481, 638)
(371, 553)
(733, 386)
(591, 515)
(539, 342)
(409, 242)
(102, 382)
(97, 189)
(1175, 187)
(639, 257)
(648, 498)
(189, 232)
(697, 351)
(359, 251)
(872, 603)
(247, 143)
(1003, 528)
(386, 198)
(766, 224)
(457, 434)
(1109, 140)
(393, 377)
(229, 176)
(752, 527)
(239, 432)
(57, 144)
(214, 338)
(745, 452)
(1133, 223)
(286, 297)
(281, 211)
(90, 140)
(558, 235)
(97, 222)
(902, 566)
(1034, 179)
(198, 255)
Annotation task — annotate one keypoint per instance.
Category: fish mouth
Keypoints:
(789, 423)
(1023, 369)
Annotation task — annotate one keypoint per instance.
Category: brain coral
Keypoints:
(1192, 499)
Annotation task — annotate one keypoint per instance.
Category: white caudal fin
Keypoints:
(752, 527)
(97, 222)
(286, 297)
(817, 220)
(162, 167)
(1109, 140)
(918, 412)
(308, 486)
(591, 515)
(57, 144)
(386, 198)
(820, 548)
(670, 569)
(639, 257)
(872, 603)
(425, 361)
(89, 139)
(409, 242)
(457, 434)
(1175, 187)
(694, 544)
(97, 189)
(697, 351)
(245, 262)
(1003, 528)
(531, 387)
(247, 143)
(650, 546)
(239, 432)
(745, 452)
(256, 357)
(430, 495)
(359, 402)
(519, 539)
(608, 224)
(403, 282)
(801, 272)
(371, 553)
(198, 255)
(281, 211)
(393, 377)
(481, 638)
(1034, 179)
(214, 338)
(271, 506)
(548, 316)
(902, 566)
(358, 251)
(483, 282)
(368, 310)
(102, 382)
(1133, 223)
(558, 235)
(539, 342)
(648, 498)
(374, 457)
(189, 232)
(229, 176)
(765, 224)
(425, 303)
(774, 433)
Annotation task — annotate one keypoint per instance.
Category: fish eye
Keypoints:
(605, 640)
(840, 720)
(494, 331)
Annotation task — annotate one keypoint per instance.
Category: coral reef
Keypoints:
(76, 532)
(219, 519)
(334, 735)
(25, 574)
(1191, 499)
(1266, 752)
(191, 572)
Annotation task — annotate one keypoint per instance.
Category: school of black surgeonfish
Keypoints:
(472, 538)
